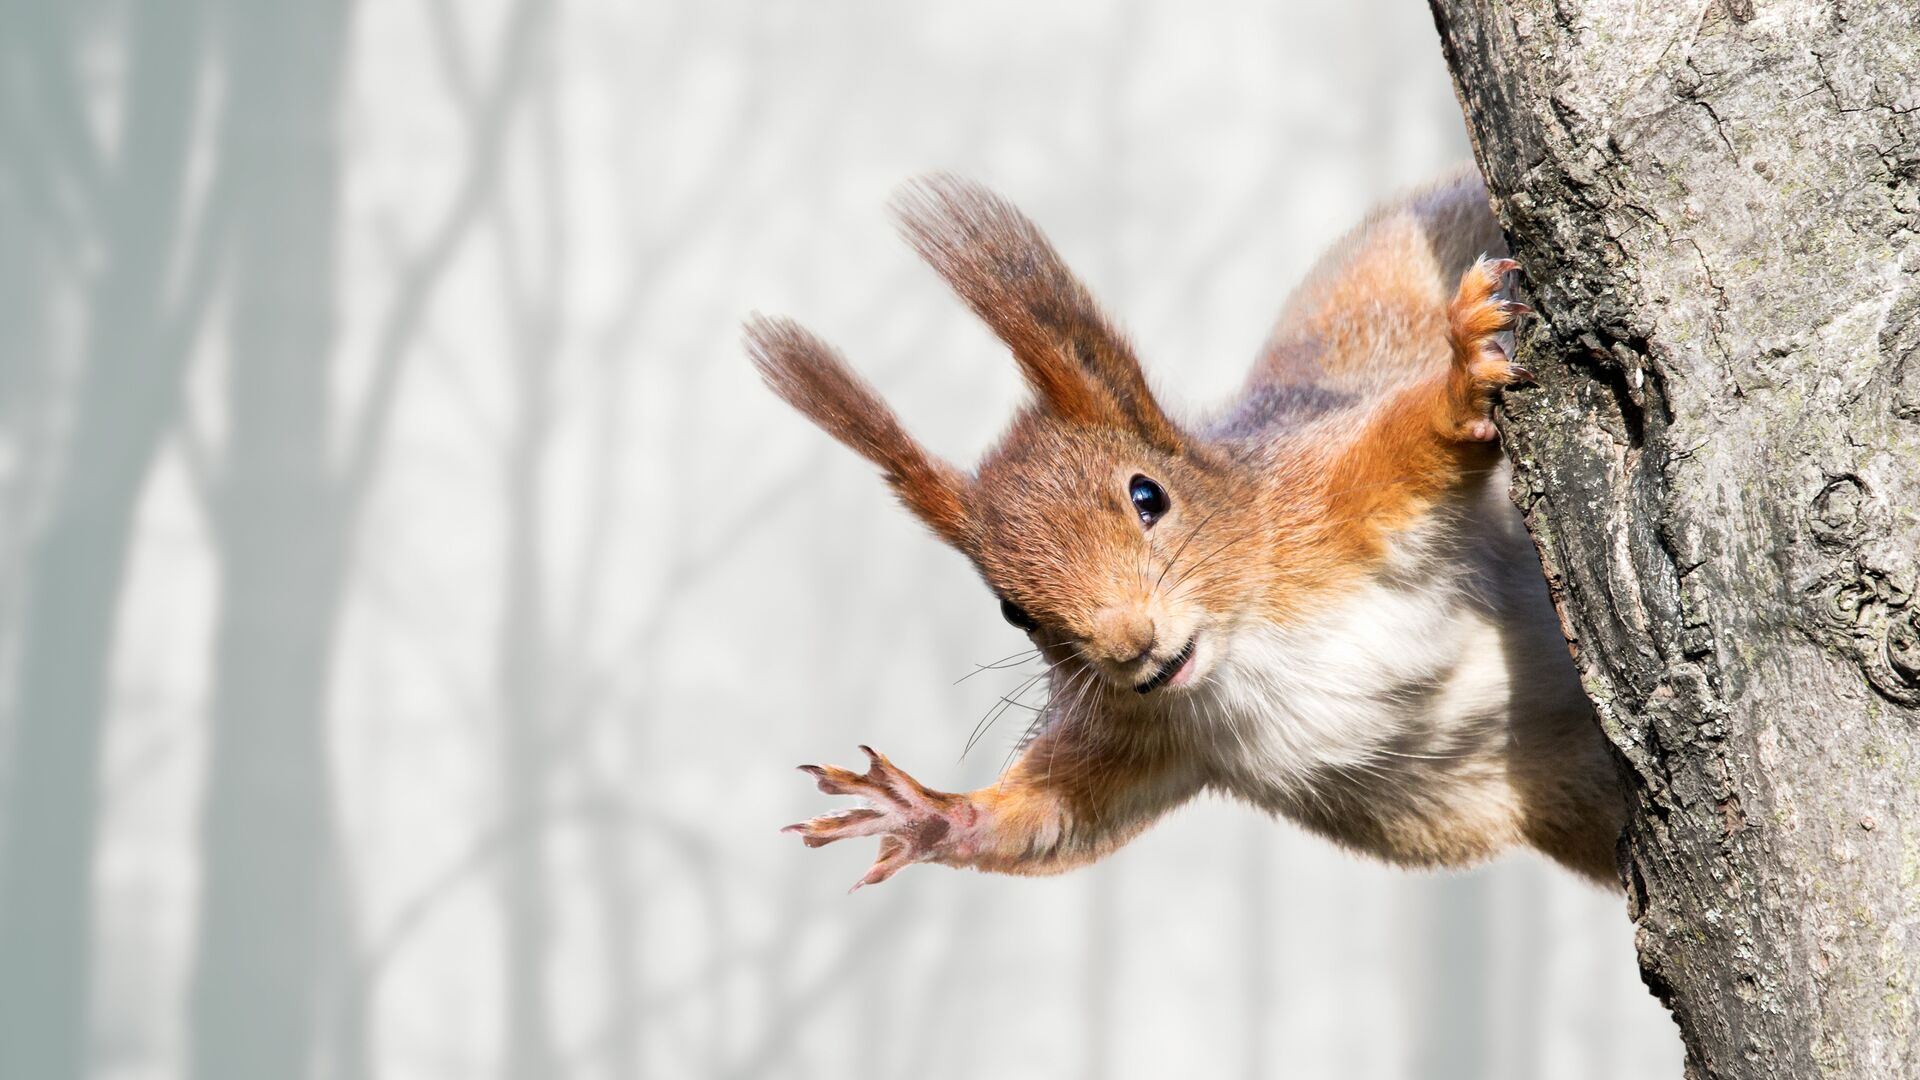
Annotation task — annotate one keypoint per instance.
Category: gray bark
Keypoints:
(278, 525)
(1715, 204)
(130, 207)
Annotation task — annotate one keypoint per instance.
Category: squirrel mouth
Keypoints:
(1171, 670)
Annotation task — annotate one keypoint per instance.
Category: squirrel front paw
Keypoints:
(1475, 319)
(913, 822)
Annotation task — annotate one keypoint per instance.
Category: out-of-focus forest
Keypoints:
(411, 608)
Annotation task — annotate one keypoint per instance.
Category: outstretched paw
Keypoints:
(1475, 319)
(913, 822)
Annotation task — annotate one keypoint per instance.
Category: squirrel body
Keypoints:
(1320, 602)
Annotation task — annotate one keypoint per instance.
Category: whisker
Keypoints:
(1076, 684)
(1250, 531)
(994, 712)
(1011, 660)
(1177, 552)
(1401, 479)
(1146, 556)
(1462, 756)
(1319, 525)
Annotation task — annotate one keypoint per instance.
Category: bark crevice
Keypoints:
(1715, 203)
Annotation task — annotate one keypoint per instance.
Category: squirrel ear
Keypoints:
(812, 377)
(1003, 267)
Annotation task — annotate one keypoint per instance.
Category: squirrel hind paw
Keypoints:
(1476, 319)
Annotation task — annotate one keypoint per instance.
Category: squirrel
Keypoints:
(1320, 601)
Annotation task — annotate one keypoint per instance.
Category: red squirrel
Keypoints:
(1320, 601)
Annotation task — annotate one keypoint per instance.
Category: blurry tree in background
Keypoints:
(280, 526)
(411, 609)
(533, 279)
(284, 508)
(115, 230)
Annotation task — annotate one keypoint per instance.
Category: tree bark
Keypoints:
(1715, 204)
(279, 526)
(127, 386)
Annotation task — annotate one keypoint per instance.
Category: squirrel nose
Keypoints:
(1127, 634)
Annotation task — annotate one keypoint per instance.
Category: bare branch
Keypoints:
(526, 28)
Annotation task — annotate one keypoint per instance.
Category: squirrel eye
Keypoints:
(1018, 616)
(1149, 500)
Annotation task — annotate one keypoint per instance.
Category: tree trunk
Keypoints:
(279, 529)
(1715, 203)
(127, 389)
(1447, 1003)
(533, 282)
(527, 915)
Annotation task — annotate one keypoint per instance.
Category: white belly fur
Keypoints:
(1400, 696)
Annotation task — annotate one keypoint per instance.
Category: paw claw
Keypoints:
(1477, 321)
(914, 824)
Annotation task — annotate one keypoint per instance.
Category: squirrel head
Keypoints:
(1098, 522)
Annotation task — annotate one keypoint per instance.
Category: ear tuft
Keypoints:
(811, 376)
(1002, 265)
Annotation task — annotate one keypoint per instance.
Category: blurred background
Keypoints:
(412, 609)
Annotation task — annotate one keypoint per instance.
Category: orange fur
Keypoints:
(1357, 458)
(810, 375)
(1005, 269)
(1066, 802)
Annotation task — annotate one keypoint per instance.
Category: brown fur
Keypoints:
(810, 375)
(1363, 428)
(1003, 266)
